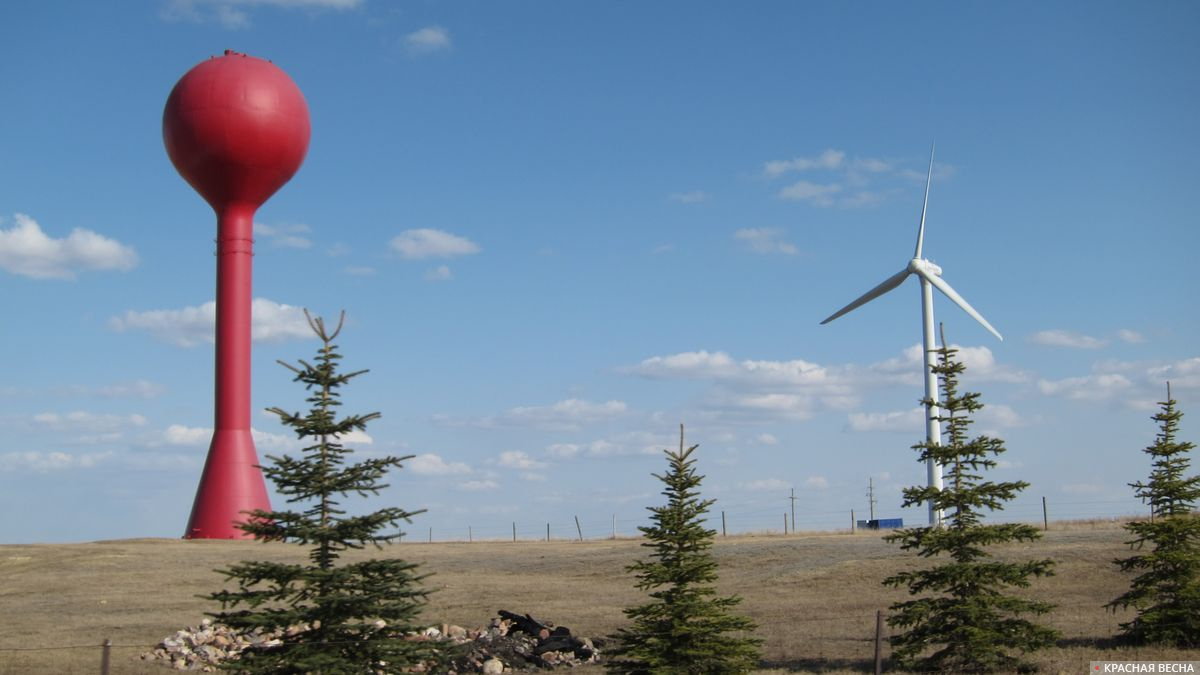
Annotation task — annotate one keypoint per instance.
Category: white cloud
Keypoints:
(430, 464)
(693, 197)
(687, 365)
(765, 240)
(515, 459)
(285, 236)
(1000, 416)
(1087, 388)
(50, 461)
(478, 485)
(802, 191)
(89, 428)
(1131, 336)
(185, 436)
(143, 389)
(980, 362)
(27, 251)
(995, 415)
(1138, 385)
(135, 389)
(871, 165)
(566, 415)
(766, 439)
(624, 444)
(766, 485)
(178, 434)
(762, 391)
(940, 171)
(860, 199)
(1181, 374)
(428, 243)
(1063, 338)
(756, 391)
(439, 273)
(772, 405)
(428, 40)
(630, 443)
(900, 421)
(853, 183)
(565, 450)
(191, 326)
(830, 159)
(720, 366)
(816, 483)
(533, 477)
(234, 14)
(356, 437)
(270, 442)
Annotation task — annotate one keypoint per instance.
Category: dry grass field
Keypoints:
(813, 595)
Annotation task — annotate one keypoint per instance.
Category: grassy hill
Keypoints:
(813, 595)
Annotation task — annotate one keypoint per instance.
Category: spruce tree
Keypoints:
(1167, 592)
(686, 629)
(964, 616)
(339, 618)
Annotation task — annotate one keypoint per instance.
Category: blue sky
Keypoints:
(559, 229)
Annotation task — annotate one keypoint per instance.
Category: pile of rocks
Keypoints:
(510, 643)
(203, 647)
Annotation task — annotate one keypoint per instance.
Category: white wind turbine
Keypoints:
(931, 277)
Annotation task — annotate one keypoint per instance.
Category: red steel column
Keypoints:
(231, 482)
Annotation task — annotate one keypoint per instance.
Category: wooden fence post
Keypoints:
(853, 522)
(878, 641)
(614, 526)
(431, 535)
(547, 531)
(785, 524)
(1045, 516)
(578, 528)
(724, 533)
(104, 656)
(514, 531)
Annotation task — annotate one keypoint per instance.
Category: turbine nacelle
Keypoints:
(923, 267)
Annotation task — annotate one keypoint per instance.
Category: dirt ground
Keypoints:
(814, 596)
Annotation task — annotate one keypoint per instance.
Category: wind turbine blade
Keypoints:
(925, 205)
(944, 287)
(890, 283)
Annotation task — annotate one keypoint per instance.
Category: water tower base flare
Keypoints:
(231, 485)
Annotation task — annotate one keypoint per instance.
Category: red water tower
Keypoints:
(236, 128)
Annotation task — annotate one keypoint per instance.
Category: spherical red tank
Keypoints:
(236, 128)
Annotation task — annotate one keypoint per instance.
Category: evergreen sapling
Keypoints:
(1166, 593)
(964, 615)
(349, 618)
(686, 629)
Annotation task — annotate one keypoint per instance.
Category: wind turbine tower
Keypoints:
(930, 276)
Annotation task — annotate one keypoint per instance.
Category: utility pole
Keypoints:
(871, 496)
(793, 499)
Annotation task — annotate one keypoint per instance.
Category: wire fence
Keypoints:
(741, 519)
